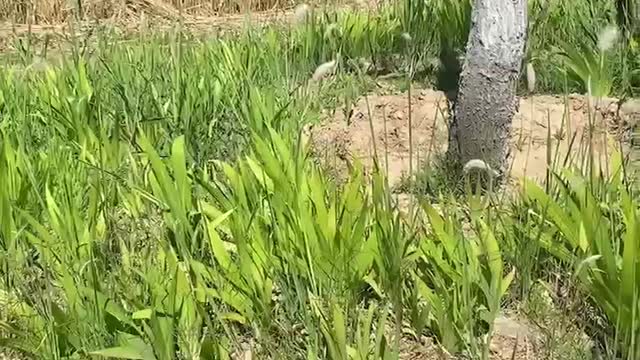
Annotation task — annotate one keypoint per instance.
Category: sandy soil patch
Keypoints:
(543, 122)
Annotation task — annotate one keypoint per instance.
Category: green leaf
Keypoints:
(553, 211)
(339, 331)
(492, 251)
(178, 162)
(234, 317)
(380, 339)
(165, 185)
(120, 352)
(374, 285)
(132, 347)
(506, 281)
(260, 174)
(217, 245)
(630, 286)
(163, 330)
(583, 242)
(142, 314)
(438, 226)
(588, 263)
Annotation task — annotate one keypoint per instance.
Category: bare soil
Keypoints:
(543, 123)
(513, 339)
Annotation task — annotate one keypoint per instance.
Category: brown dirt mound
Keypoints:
(341, 140)
(349, 139)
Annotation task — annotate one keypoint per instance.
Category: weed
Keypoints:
(160, 201)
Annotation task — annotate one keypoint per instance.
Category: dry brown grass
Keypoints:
(59, 11)
(50, 26)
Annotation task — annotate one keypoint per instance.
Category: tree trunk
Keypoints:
(486, 100)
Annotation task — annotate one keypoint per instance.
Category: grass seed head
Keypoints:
(531, 78)
(479, 165)
(302, 13)
(607, 38)
(324, 69)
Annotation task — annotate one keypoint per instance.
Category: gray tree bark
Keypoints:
(486, 99)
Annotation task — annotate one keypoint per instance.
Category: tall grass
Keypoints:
(159, 202)
(593, 228)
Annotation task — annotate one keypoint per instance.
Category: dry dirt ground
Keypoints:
(540, 121)
(146, 15)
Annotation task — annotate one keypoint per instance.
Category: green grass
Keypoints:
(160, 202)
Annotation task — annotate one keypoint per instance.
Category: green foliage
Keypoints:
(454, 25)
(588, 64)
(461, 278)
(159, 202)
(597, 221)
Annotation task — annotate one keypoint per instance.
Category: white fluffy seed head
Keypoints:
(301, 13)
(323, 70)
(608, 37)
(480, 165)
(406, 37)
(531, 78)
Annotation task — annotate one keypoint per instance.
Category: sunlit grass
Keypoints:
(159, 201)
